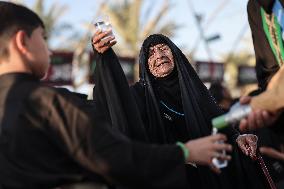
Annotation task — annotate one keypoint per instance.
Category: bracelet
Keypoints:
(184, 149)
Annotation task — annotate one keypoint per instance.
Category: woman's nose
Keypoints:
(159, 53)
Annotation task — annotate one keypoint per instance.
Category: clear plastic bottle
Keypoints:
(217, 162)
(102, 22)
(236, 113)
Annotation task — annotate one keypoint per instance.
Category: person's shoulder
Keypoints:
(37, 100)
(50, 100)
(43, 91)
(52, 97)
(42, 95)
(65, 91)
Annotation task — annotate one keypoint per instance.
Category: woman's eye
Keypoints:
(164, 48)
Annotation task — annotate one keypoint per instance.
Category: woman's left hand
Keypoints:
(248, 144)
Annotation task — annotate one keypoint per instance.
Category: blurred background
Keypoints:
(214, 35)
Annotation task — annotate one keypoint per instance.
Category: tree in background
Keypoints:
(51, 17)
(134, 20)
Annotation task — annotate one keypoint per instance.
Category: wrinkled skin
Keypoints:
(160, 61)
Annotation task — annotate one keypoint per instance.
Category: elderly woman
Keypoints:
(174, 106)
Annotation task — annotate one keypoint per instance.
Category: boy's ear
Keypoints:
(21, 41)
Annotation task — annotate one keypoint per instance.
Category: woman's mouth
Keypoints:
(162, 63)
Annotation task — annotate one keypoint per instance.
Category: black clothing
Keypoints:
(268, 138)
(175, 128)
(170, 105)
(191, 98)
(50, 137)
(112, 96)
(266, 63)
(185, 94)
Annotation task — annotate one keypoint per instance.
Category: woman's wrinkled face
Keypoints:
(160, 61)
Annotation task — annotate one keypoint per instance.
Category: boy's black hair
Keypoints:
(13, 18)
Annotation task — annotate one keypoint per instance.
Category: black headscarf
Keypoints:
(197, 104)
(266, 62)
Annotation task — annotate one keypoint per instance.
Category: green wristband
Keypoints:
(184, 149)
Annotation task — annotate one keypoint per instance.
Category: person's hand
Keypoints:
(248, 144)
(203, 150)
(271, 152)
(102, 41)
(256, 119)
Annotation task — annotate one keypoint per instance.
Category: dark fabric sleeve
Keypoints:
(139, 97)
(266, 63)
(88, 139)
(139, 165)
(113, 97)
(64, 90)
